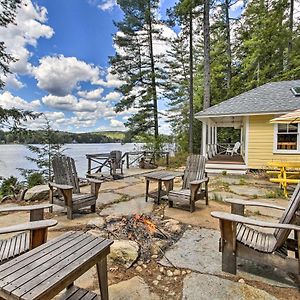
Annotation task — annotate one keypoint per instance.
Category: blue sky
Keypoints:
(63, 68)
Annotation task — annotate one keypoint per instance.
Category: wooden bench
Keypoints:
(46, 270)
(76, 293)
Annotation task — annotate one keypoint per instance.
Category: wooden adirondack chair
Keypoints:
(30, 234)
(116, 163)
(233, 150)
(194, 176)
(240, 240)
(67, 184)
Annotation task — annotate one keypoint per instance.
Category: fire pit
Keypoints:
(151, 232)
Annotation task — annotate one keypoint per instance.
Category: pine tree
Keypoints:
(43, 154)
(137, 65)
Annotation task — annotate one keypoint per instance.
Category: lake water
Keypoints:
(14, 156)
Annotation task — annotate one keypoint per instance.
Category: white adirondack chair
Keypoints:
(234, 150)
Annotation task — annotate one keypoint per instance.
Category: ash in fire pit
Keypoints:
(151, 233)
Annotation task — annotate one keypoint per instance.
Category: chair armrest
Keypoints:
(28, 226)
(92, 180)
(60, 186)
(196, 182)
(254, 203)
(25, 208)
(240, 219)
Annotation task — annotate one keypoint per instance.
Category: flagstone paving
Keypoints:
(220, 289)
(133, 206)
(196, 250)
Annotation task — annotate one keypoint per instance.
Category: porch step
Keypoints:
(229, 168)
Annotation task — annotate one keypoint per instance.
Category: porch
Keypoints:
(220, 156)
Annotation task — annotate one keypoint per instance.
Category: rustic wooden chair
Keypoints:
(30, 234)
(240, 240)
(194, 176)
(116, 163)
(66, 182)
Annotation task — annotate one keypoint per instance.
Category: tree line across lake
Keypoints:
(61, 137)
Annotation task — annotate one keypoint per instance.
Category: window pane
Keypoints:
(293, 127)
(287, 141)
(282, 127)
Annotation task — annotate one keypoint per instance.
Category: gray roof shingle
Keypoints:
(268, 98)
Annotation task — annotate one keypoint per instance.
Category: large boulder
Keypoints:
(124, 252)
(38, 192)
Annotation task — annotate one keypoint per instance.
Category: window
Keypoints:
(287, 137)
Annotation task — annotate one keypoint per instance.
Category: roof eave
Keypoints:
(241, 114)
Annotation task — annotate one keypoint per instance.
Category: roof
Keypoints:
(274, 97)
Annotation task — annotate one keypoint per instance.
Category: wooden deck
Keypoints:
(231, 164)
(226, 159)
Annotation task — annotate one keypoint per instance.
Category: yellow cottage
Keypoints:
(260, 141)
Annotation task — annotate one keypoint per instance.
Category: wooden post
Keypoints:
(37, 237)
(127, 160)
(147, 189)
(228, 236)
(36, 214)
(237, 209)
(89, 165)
(167, 159)
(102, 278)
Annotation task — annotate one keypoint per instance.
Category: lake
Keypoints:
(14, 156)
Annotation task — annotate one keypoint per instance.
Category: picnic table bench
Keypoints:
(287, 174)
(48, 269)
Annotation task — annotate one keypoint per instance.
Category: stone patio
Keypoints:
(191, 268)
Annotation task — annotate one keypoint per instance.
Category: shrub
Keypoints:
(35, 179)
(10, 186)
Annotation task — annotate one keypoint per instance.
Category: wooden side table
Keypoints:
(161, 177)
(46, 270)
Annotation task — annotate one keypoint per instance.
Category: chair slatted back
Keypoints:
(116, 155)
(236, 147)
(195, 169)
(65, 172)
(288, 217)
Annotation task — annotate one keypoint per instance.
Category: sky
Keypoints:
(63, 49)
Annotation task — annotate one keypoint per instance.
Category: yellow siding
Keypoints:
(260, 143)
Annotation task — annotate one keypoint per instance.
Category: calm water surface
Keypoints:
(14, 156)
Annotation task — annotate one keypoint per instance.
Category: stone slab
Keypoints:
(247, 190)
(201, 216)
(107, 198)
(198, 250)
(132, 289)
(222, 196)
(133, 190)
(133, 206)
(203, 287)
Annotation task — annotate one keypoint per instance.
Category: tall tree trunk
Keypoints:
(291, 25)
(206, 100)
(228, 43)
(191, 87)
(153, 79)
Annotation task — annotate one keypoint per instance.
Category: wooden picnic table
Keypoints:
(286, 173)
(48, 269)
(161, 177)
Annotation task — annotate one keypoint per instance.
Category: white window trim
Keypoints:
(285, 151)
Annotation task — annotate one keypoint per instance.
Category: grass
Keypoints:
(217, 197)
(242, 182)
(176, 161)
(275, 193)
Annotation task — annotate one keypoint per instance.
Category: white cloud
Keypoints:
(112, 96)
(59, 75)
(69, 102)
(107, 5)
(114, 125)
(12, 81)
(29, 29)
(110, 81)
(7, 101)
(237, 5)
(91, 95)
